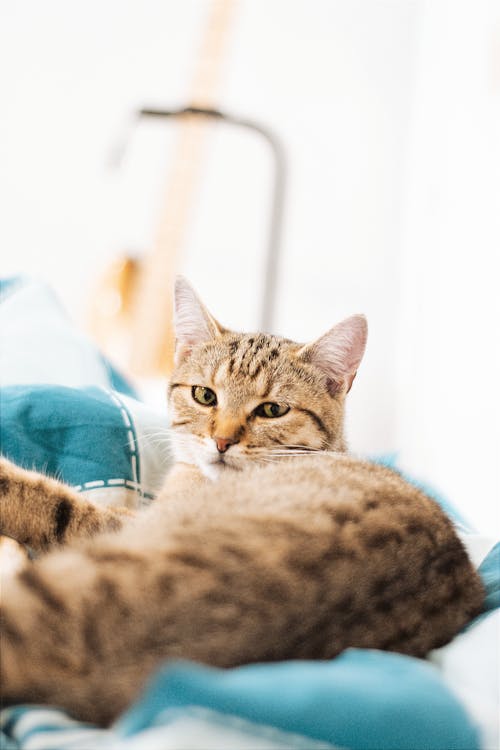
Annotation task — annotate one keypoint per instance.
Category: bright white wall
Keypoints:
(448, 372)
(345, 85)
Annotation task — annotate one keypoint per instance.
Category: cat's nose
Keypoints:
(224, 443)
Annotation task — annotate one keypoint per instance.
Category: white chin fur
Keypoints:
(201, 453)
(210, 471)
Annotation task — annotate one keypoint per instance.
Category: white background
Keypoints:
(390, 116)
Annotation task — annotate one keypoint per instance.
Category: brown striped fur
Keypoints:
(290, 553)
(40, 512)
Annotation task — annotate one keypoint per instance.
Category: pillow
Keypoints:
(66, 411)
(39, 344)
(103, 443)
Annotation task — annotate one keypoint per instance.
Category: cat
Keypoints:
(267, 542)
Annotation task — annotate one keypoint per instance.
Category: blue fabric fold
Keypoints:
(362, 700)
(489, 570)
(78, 435)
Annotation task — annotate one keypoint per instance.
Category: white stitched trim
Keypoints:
(110, 483)
(131, 441)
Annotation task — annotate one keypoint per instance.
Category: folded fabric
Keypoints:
(362, 700)
(95, 439)
(189, 728)
(66, 411)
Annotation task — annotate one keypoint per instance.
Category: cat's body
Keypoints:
(283, 556)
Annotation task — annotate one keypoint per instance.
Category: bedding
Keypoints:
(71, 414)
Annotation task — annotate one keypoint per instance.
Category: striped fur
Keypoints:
(40, 512)
(299, 560)
(247, 370)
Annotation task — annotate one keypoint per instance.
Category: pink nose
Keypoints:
(224, 443)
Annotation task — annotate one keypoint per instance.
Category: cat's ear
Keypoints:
(193, 323)
(339, 352)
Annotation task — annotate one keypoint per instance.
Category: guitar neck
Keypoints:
(152, 345)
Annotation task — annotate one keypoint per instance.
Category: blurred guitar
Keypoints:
(131, 315)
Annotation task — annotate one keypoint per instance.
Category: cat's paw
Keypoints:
(115, 517)
(13, 556)
(9, 476)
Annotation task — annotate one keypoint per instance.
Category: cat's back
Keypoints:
(301, 559)
(315, 491)
(352, 537)
(308, 483)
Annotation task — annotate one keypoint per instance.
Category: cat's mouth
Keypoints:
(225, 462)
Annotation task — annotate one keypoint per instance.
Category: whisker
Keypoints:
(290, 453)
(155, 442)
(307, 448)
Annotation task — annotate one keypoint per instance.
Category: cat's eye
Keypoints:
(271, 410)
(204, 396)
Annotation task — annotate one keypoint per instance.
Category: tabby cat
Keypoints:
(267, 541)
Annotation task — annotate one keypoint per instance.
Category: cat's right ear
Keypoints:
(193, 323)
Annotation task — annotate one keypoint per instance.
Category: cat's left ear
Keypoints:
(192, 322)
(339, 352)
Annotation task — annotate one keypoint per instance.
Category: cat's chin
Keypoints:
(214, 469)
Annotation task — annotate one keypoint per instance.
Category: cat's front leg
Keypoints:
(40, 512)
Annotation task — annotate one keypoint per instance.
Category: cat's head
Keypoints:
(240, 397)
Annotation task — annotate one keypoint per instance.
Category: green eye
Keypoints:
(204, 396)
(271, 410)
